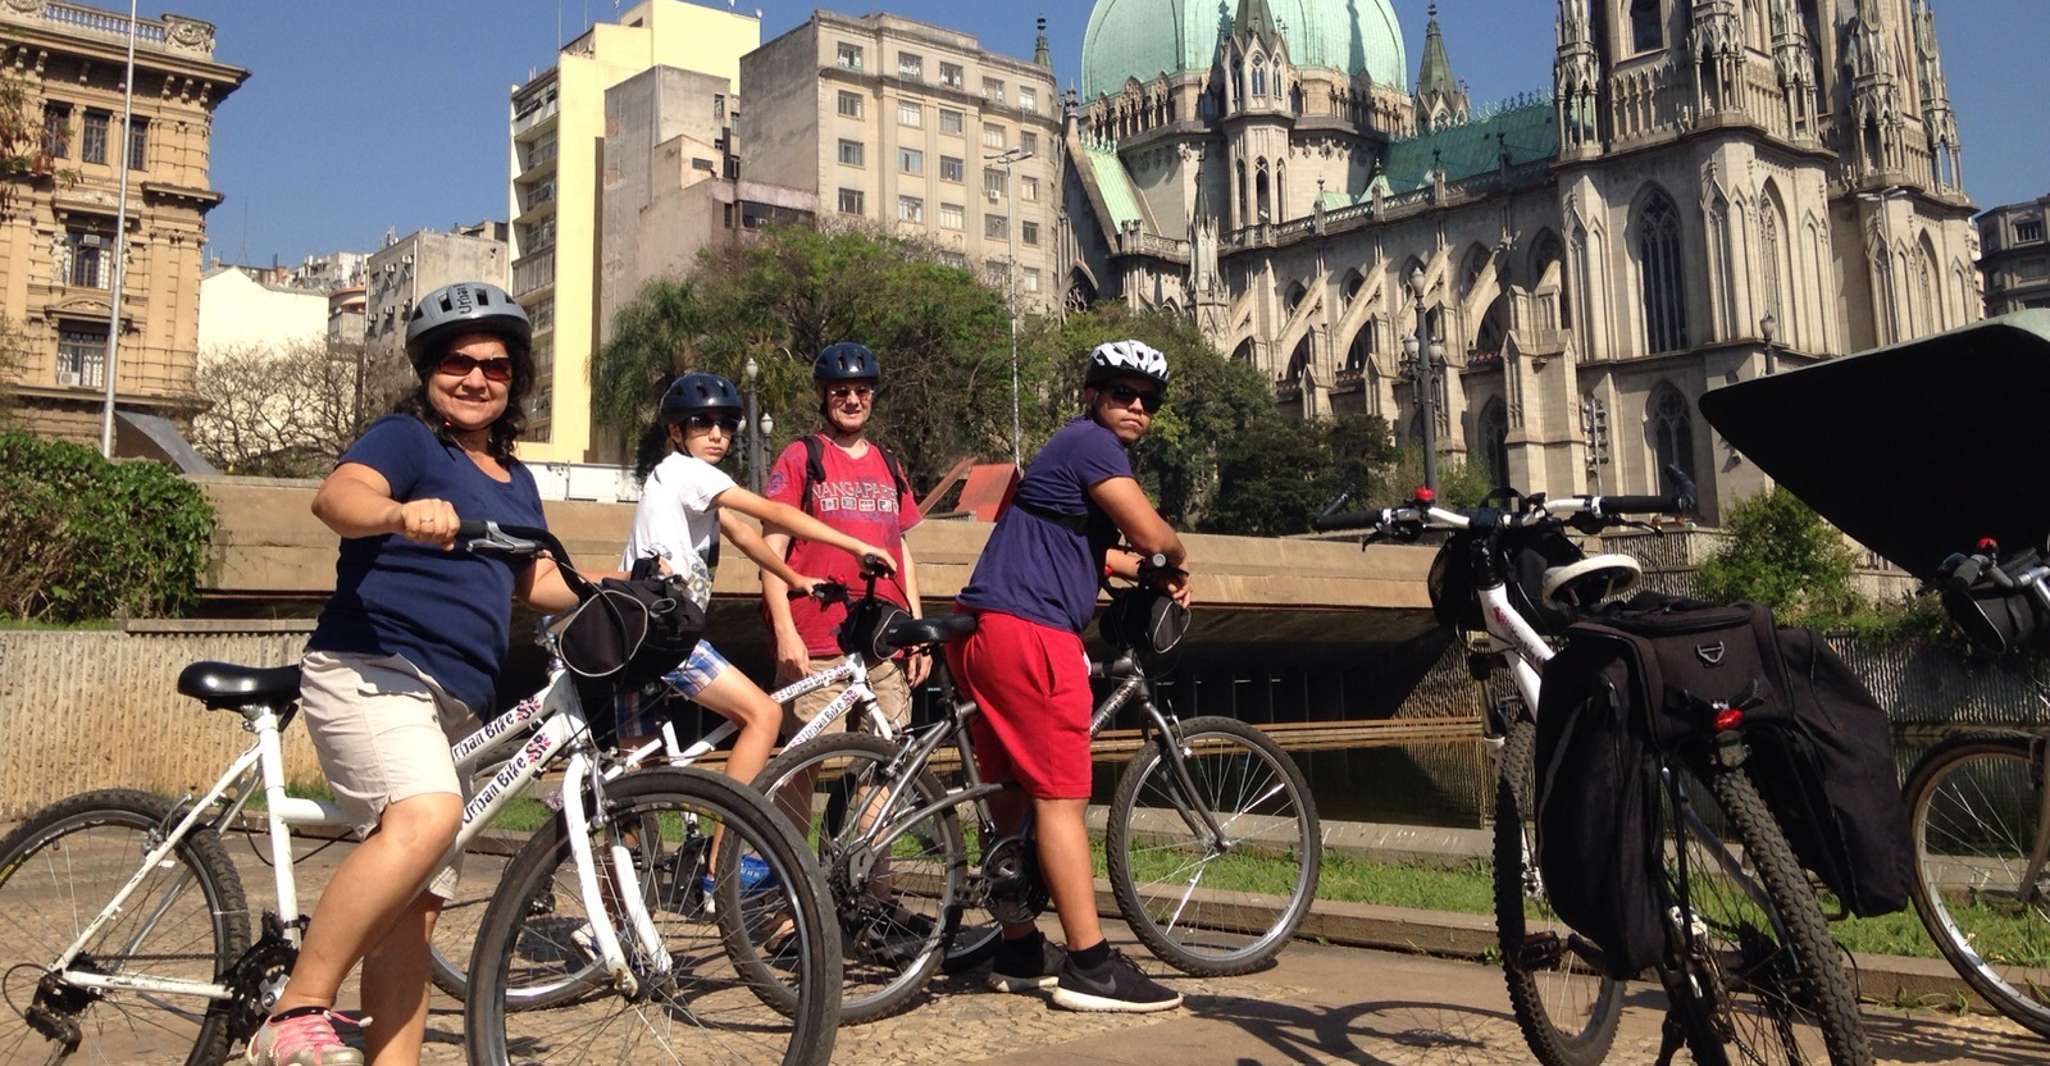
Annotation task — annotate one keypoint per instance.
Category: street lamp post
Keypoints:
(1007, 159)
(750, 370)
(1768, 327)
(1422, 357)
(122, 159)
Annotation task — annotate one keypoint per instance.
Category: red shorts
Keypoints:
(1032, 684)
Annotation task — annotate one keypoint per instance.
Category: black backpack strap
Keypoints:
(896, 472)
(814, 469)
(1076, 522)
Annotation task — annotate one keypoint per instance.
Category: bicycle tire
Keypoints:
(1216, 918)
(1818, 993)
(678, 797)
(1515, 889)
(874, 986)
(200, 853)
(2001, 761)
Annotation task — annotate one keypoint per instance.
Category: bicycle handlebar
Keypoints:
(481, 537)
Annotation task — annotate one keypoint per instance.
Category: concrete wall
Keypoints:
(236, 311)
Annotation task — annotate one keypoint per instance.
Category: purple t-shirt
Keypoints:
(1041, 569)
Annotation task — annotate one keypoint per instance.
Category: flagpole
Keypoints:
(121, 160)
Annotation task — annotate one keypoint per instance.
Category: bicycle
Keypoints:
(168, 961)
(457, 928)
(1199, 794)
(1720, 951)
(1979, 815)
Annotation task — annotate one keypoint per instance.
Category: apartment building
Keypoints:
(57, 242)
(558, 126)
(2015, 260)
(917, 129)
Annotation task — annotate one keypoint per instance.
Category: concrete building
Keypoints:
(346, 308)
(409, 267)
(1710, 190)
(57, 236)
(242, 309)
(557, 122)
(2016, 262)
(908, 125)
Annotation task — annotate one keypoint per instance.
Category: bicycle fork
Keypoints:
(642, 925)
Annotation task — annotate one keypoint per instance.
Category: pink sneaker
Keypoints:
(305, 1037)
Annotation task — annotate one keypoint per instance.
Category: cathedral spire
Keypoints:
(1041, 54)
(1440, 101)
(1254, 19)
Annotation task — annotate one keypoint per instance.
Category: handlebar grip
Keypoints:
(1345, 520)
(1644, 504)
(471, 529)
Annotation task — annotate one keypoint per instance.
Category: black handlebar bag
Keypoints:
(1145, 620)
(627, 633)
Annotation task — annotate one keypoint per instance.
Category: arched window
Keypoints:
(1548, 267)
(1890, 314)
(1299, 360)
(1262, 198)
(1672, 436)
(1244, 215)
(1662, 281)
(1471, 270)
(1647, 29)
(1773, 275)
(1361, 351)
(1354, 282)
(1927, 286)
(1292, 298)
(1244, 353)
(1259, 78)
(1492, 436)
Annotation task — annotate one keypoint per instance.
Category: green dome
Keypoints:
(1145, 38)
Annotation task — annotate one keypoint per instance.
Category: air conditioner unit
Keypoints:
(68, 378)
(994, 196)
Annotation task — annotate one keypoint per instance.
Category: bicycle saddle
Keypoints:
(1580, 585)
(226, 685)
(912, 632)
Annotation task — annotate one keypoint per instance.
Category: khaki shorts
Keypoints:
(892, 695)
(382, 730)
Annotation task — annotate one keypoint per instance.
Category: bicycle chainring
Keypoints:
(1016, 892)
(258, 978)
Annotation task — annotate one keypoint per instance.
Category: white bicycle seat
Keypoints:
(1590, 581)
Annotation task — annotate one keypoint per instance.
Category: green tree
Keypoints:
(1782, 554)
(1280, 472)
(1460, 483)
(942, 335)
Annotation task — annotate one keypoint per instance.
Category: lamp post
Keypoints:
(1422, 358)
(1007, 159)
(122, 160)
(750, 370)
(1768, 327)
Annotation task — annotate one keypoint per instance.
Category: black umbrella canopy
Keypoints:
(1917, 450)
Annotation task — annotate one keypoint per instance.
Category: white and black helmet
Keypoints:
(1126, 357)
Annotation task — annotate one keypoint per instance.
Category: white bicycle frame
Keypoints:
(561, 720)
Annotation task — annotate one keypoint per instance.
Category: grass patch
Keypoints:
(98, 625)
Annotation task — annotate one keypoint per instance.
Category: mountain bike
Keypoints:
(1749, 959)
(1200, 797)
(1979, 811)
(165, 966)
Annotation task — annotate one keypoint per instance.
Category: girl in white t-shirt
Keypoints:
(686, 503)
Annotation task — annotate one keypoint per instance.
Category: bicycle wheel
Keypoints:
(1158, 863)
(897, 912)
(1975, 807)
(1567, 1009)
(186, 921)
(701, 1007)
(1771, 983)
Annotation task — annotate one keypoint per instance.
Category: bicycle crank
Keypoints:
(1017, 894)
(258, 978)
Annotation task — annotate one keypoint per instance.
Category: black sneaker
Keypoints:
(1023, 969)
(1116, 986)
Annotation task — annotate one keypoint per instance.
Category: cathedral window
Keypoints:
(1662, 281)
(1492, 432)
(1647, 25)
(1259, 78)
(1771, 262)
(1672, 432)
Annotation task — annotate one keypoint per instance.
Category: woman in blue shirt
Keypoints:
(406, 652)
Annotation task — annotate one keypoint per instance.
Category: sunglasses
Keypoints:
(726, 422)
(456, 364)
(859, 392)
(1123, 395)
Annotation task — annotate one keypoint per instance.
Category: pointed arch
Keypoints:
(1775, 266)
(1928, 285)
(1548, 271)
(1661, 279)
(1263, 196)
(1887, 314)
(1293, 296)
(1722, 265)
(1299, 359)
(1491, 437)
(1471, 267)
(1365, 343)
(1350, 288)
(1669, 425)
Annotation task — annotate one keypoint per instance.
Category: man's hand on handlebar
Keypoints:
(877, 560)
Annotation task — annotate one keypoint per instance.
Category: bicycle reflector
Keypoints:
(1727, 719)
(1425, 495)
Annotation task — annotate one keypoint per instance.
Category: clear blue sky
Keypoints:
(371, 114)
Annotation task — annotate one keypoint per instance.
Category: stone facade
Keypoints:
(2017, 256)
(57, 227)
(904, 125)
(1710, 190)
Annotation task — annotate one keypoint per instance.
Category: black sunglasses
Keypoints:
(729, 423)
(1123, 395)
(841, 392)
(456, 364)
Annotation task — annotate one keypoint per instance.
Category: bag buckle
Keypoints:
(1711, 654)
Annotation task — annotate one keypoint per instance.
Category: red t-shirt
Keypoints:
(859, 498)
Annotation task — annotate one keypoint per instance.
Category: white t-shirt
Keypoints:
(678, 520)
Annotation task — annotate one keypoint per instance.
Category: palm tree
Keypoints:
(652, 338)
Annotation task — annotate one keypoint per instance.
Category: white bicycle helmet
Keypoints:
(1126, 357)
(1591, 581)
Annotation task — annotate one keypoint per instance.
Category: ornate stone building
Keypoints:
(57, 223)
(1710, 189)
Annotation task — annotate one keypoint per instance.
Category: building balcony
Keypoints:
(532, 273)
(535, 116)
(171, 33)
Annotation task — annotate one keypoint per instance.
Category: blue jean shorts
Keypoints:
(702, 668)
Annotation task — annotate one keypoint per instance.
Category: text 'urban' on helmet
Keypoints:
(464, 307)
(846, 361)
(698, 392)
(1126, 357)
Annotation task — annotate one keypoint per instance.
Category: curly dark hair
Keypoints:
(505, 433)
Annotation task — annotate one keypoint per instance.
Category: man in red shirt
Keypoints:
(837, 476)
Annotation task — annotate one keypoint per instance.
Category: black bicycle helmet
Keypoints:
(846, 361)
(464, 307)
(698, 392)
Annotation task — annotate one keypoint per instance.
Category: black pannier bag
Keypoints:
(1144, 619)
(1641, 683)
(630, 632)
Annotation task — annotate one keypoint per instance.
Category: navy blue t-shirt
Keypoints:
(1039, 569)
(448, 612)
